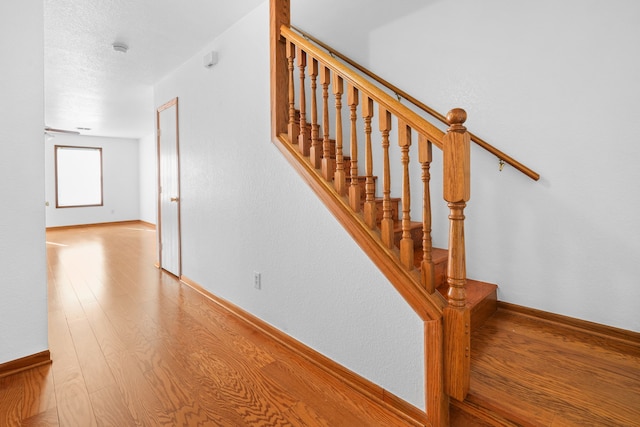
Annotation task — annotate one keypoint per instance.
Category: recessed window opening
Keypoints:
(78, 176)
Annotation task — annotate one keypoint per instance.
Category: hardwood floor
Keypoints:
(133, 346)
(532, 371)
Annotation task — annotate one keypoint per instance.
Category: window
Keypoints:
(78, 176)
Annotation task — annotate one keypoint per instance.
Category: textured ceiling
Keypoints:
(89, 85)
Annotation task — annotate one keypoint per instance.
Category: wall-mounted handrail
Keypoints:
(503, 157)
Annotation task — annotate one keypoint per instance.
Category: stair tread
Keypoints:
(482, 300)
(397, 225)
(380, 200)
(438, 256)
(476, 291)
(361, 177)
(392, 199)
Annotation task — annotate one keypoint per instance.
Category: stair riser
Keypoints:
(395, 203)
(416, 236)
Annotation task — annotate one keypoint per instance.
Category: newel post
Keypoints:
(457, 184)
(279, 12)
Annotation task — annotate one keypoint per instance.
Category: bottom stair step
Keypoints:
(482, 300)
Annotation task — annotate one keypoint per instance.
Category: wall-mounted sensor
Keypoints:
(210, 59)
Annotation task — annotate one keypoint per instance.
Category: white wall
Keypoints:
(244, 209)
(554, 84)
(120, 181)
(148, 178)
(23, 287)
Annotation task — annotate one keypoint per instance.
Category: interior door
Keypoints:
(169, 188)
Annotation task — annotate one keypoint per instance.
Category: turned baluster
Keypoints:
(293, 130)
(424, 157)
(386, 227)
(406, 243)
(303, 137)
(327, 163)
(339, 178)
(315, 152)
(370, 186)
(456, 168)
(354, 187)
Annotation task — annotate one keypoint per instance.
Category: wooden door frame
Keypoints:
(165, 106)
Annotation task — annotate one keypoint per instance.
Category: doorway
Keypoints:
(169, 247)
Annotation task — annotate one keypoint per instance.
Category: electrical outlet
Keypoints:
(257, 280)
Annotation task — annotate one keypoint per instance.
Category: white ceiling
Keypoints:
(89, 85)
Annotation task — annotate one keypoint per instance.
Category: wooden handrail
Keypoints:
(414, 120)
(481, 142)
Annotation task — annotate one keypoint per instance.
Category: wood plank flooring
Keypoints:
(132, 346)
(528, 371)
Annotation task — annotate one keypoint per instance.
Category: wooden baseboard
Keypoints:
(103, 224)
(147, 223)
(604, 331)
(413, 415)
(24, 363)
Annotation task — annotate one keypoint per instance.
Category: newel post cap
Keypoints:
(456, 118)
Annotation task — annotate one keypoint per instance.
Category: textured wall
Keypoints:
(23, 289)
(554, 84)
(244, 209)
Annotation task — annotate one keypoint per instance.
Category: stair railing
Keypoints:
(344, 170)
(332, 166)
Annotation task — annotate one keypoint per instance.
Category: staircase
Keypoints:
(481, 297)
(336, 128)
(487, 363)
(335, 155)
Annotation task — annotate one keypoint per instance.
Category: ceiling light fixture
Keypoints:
(120, 47)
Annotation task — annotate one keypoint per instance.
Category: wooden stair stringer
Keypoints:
(407, 283)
